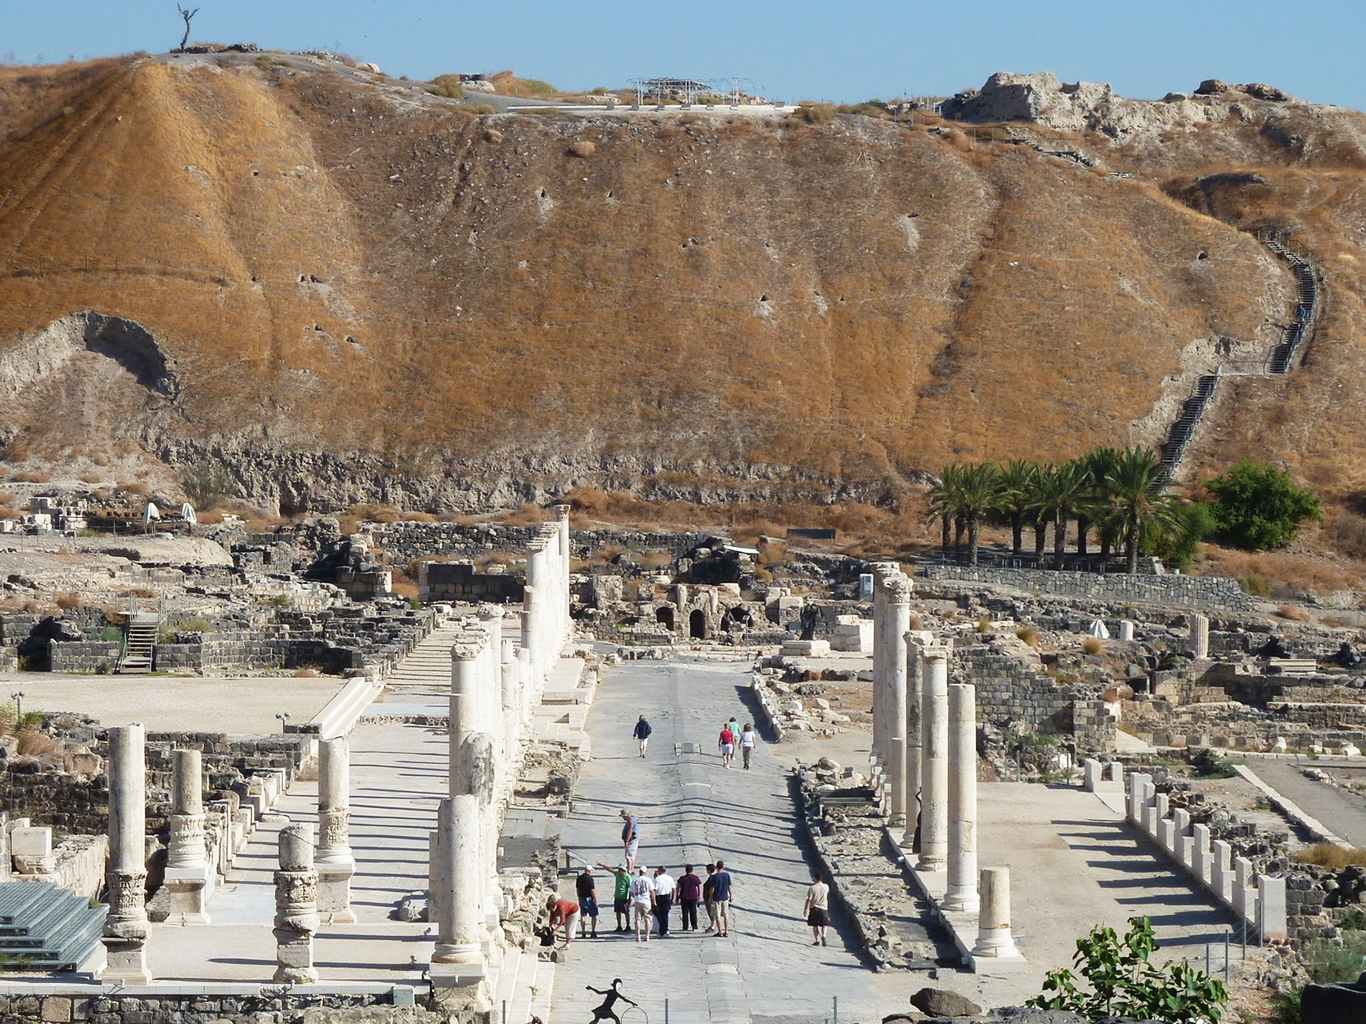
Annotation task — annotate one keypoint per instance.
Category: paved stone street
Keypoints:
(1342, 812)
(691, 809)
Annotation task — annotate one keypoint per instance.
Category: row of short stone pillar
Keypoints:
(307, 884)
(924, 755)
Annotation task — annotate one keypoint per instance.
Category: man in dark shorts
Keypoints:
(709, 897)
(586, 887)
(621, 895)
(721, 893)
(817, 908)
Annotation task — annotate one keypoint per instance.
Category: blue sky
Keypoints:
(795, 50)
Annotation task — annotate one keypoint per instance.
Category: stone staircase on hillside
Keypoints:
(140, 634)
(1278, 363)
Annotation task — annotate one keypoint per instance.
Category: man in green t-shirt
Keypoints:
(621, 895)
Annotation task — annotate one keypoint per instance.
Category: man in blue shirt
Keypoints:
(721, 893)
(642, 734)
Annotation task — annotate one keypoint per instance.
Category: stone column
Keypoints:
(934, 762)
(898, 622)
(962, 887)
(914, 695)
(188, 873)
(880, 640)
(531, 637)
(562, 517)
(125, 928)
(994, 939)
(1199, 629)
(463, 870)
(296, 906)
(511, 698)
(335, 862)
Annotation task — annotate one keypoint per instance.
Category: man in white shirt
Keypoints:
(642, 897)
(664, 886)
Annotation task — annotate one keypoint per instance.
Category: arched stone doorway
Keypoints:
(697, 624)
(665, 617)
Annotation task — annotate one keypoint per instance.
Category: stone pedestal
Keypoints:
(460, 935)
(961, 894)
(1199, 635)
(934, 762)
(125, 928)
(915, 643)
(296, 906)
(335, 863)
(189, 876)
(1126, 629)
(994, 938)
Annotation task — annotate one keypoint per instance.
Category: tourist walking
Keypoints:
(689, 892)
(621, 895)
(586, 887)
(748, 740)
(722, 892)
(709, 897)
(664, 886)
(817, 908)
(630, 840)
(726, 744)
(734, 727)
(565, 912)
(642, 734)
(642, 901)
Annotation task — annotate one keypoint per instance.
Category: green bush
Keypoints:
(1260, 507)
(1329, 964)
(1256, 585)
(1125, 983)
(1176, 541)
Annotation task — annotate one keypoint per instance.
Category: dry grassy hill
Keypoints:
(349, 289)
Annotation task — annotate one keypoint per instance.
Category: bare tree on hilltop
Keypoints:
(187, 15)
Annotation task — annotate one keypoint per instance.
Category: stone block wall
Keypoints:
(1198, 592)
(84, 656)
(404, 542)
(201, 1007)
(457, 581)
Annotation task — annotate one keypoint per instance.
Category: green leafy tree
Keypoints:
(1177, 540)
(1260, 507)
(1125, 983)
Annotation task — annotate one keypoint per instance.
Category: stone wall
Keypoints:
(457, 581)
(1199, 592)
(404, 542)
(84, 656)
(195, 1007)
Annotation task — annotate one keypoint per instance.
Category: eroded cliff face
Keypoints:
(366, 294)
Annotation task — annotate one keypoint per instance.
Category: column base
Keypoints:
(931, 863)
(125, 964)
(187, 896)
(896, 820)
(961, 903)
(334, 899)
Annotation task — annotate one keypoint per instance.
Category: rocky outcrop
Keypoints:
(1093, 106)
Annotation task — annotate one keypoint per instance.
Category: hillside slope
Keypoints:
(345, 289)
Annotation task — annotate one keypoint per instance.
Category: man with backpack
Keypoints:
(642, 734)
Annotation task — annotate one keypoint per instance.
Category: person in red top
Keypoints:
(565, 912)
(726, 743)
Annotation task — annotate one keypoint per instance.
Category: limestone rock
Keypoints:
(941, 1002)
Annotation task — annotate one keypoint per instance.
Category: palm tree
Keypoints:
(1017, 481)
(1137, 492)
(1098, 464)
(1063, 490)
(979, 488)
(944, 502)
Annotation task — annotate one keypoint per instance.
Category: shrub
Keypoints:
(68, 601)
(1125, 983)
(813, 113)
(1092, 645)
(1260, 507)
(1029, 635)
(984, 624)
(264, 62)
(1329, 964)
(447, 86)
(206, 483)
(583, 148)
(1177, 540)
(33, 742)
(1292, 612)
(28, 477)
(1256, 584)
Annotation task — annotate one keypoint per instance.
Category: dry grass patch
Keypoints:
(1092, 645)
(1330, 855)
(1293, 612)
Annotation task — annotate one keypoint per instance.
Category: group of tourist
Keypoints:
(732, 735)
(643, 903)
